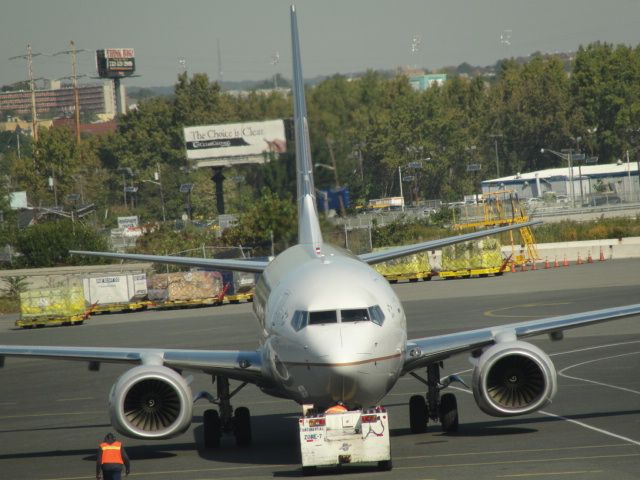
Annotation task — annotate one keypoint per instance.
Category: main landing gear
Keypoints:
(226, 420)
(433, 406)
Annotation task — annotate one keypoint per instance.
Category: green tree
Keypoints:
(270, 214)
(48, 244)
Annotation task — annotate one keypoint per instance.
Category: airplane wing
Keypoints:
(390, 254)
(236, 364)
(423, 351)
(252, 266)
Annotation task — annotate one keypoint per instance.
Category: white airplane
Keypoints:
(332, 330)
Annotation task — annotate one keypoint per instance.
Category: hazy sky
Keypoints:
(337, 36)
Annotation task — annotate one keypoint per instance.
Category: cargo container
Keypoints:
(123, 289)
(238, 282)
(196, 287)
(48, 306)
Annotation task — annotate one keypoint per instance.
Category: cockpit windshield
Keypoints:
(355, 315)
(302, 318)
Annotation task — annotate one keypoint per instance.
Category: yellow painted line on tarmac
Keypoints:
(510, 452)
(548, 474)
(495, 312)
(52, 414)
(186, 471)
(517, 462)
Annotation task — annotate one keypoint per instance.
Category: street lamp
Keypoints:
(164, 217)
(128, 171)
(569, 156)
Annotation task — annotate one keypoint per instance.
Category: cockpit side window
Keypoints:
(354, 315)
(326, 316)
(377, 315)
(299, 320)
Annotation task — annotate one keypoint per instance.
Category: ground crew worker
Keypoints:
(111, 458)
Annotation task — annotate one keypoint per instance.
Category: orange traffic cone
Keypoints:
(546, 262)
(579, 261)
(565, 262)
(513, 268)
(589, 258)
(533, 265)
(555, 263)
(523, 267)
(601, 254)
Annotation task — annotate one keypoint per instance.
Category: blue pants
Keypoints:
(112, 474)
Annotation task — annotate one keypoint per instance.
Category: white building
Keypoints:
(589, 181)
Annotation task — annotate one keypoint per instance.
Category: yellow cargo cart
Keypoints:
(410, 277)
(410, 268)
(121, 307)
(52, 306)
(191, 303)
(239, 297)
(39, 322)
(472, 272)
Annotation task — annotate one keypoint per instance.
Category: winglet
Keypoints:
(308, 225)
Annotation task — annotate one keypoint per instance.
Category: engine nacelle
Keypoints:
(151, 401)
(513, 378)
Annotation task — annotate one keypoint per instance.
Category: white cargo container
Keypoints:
(115, 289)
(332, 439)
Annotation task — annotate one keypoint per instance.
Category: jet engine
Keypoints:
(151, 401)
(513, 378)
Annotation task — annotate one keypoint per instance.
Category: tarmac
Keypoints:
(53, 414)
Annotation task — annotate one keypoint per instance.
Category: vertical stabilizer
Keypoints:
(308, 226)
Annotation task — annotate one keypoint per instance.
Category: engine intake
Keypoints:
(513, 378)
(151, 402)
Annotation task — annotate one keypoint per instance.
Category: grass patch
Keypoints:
(9, 305)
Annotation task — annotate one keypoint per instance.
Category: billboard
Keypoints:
(115, 62)
(234, 143)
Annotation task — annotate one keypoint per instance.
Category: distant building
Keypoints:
(589, 181)
(423, 82)
(59, 100)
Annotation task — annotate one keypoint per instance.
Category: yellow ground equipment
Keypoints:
(411, 267)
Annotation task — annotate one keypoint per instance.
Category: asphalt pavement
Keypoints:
(53, 414)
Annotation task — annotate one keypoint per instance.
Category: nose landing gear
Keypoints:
(433, 406)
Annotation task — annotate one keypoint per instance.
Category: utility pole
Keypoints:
(34, 116)
(74, 78)
(495, 137)
(220, 72)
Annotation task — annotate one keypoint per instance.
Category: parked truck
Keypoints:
(351, 437)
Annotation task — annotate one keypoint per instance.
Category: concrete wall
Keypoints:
(63, 276)
(612, 248)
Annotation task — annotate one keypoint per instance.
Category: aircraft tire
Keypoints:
(418, 414)
(212, 428)
(385, 465)
(242, 426)
(449, 412)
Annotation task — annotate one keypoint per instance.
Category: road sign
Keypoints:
(186, 187)
(408, 178)
(591, 160)
(414, 165)
(474, 167)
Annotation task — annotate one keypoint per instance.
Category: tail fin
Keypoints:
(308, 225)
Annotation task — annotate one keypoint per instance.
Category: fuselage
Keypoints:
(331, 328)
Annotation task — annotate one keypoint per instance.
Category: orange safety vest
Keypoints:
(336, 409)
(111, 453)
